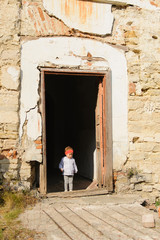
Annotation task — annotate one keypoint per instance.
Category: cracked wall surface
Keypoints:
(72, 56)
(134, 35)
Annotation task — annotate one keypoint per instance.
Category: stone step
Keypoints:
(77, 193)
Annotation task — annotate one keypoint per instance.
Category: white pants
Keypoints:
(68, 180)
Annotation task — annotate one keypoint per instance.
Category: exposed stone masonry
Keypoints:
(9, 87)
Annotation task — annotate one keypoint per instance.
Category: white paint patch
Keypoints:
(85, 16)
(67, 51)
(14, 73)
(34, 126)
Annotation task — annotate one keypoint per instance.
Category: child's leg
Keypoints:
(70, 183)
(66, 182)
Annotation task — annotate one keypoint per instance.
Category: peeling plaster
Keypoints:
(92, 16)
(85, 16)
(58, 52)
(34, 125)
(14, 73)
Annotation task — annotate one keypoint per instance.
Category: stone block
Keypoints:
(133, 105)
(156, 148)
(9, 100)
(5, 166)
(13, 161)
(157, 137)
(1, 143)
(10, 54)
(148, 221)
(137, 156)
(9, 117)
(11, 127)
(10, 77)
(132, 186)
(148, 177)
(138, 187)
(25, 166)
(25, 172)
(26, 185)
(13, 166)
(122, 185)
(148, 138)
(155, 157)
(6, 135)
(3, 160)
(9, 144)
(147, 188)
(146, 169)
(155, 178)
(145, 146)
(157, 187)
(134, 117)
(25, 177)
(133, 179)
(11, 175)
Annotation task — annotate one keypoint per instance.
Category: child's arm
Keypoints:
(75, 167)
(61, 165)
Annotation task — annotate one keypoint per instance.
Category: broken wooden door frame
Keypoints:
(107, 168)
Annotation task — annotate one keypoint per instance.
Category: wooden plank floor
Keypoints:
(85, 219)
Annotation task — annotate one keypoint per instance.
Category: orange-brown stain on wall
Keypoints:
(80, 9)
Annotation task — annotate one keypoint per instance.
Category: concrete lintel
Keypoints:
(113, 2)
(146, 4)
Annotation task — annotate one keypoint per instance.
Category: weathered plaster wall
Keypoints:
(70, 52)
(85, 16)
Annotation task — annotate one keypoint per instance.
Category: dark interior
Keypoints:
(70, 121)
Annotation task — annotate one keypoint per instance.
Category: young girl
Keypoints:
(68, 167)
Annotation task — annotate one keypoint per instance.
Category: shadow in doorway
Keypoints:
(56, 182)
(70, 121)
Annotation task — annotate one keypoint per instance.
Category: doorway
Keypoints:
(70, 110)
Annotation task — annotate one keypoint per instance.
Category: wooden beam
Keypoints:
(113, 2)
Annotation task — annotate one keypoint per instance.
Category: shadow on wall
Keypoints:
(10, 166)
(4, 165)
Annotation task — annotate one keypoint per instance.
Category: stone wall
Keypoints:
(9, 87)
(142, 38)
(136, 33)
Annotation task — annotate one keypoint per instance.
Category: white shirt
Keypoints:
(68, 165)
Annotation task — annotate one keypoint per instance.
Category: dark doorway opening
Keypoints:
(70, 102)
